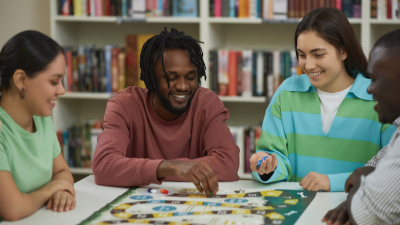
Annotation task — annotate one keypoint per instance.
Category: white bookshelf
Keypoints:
(232, 33)
(83, 171)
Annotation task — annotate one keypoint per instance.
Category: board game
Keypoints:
(189, 207)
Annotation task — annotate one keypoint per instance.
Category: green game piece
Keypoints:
(211, 194)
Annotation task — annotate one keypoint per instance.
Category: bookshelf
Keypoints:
(235, 33)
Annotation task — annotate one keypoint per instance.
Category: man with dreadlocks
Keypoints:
(173, 130)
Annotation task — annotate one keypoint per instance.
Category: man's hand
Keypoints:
(315, 182)
(267, 166)
(197, 172)
(338, 216)
(61, 201)
(355, 177)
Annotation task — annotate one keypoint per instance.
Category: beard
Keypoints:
(166, 103)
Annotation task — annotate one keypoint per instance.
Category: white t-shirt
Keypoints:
(330, 103)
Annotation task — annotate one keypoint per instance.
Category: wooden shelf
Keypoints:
(385, 21)
(87, 171)
(231, 20)
(234, 20)
(86, 95)
(101, 19)
(260, 99)
(115, 19)
(245, 176)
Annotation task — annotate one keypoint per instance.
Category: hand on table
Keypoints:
(197, 172)
(355, 177)
(61, 201)
(59, 185)
(315, 181)
(267, 166)
(338, 216)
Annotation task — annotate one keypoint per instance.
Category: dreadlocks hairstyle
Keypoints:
(154, 48)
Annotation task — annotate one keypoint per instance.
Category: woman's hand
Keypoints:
(61, 201)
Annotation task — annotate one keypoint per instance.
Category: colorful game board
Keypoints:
(189, 207)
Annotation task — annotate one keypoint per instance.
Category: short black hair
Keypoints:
(30, 51)
(154, 48)
(390, 41)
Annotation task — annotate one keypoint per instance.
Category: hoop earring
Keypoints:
(22, 94)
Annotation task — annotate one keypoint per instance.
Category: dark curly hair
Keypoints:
(154, 48)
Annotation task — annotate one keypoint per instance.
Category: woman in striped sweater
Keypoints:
(320, 126)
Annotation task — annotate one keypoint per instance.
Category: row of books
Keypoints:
(279, 9)
(107, 69)
(251, 72)
(246, 138)
(385, 9)
(79, 141)
(136, 9)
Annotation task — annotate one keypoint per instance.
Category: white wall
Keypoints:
(19, 15)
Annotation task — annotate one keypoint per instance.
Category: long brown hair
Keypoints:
(332, 25)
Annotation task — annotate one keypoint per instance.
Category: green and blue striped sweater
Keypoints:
(292, 128)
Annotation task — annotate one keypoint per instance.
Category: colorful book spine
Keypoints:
(223, 79)
(232, 73)
(217, 8)
(338, 4)
(121, 70)
(99, 8)
(232, 4)
(65, 4)
(357, 8)
(132, 76)
(114, 70)
(107, 53)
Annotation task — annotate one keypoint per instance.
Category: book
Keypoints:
(217, 8)
(280, 9)
(213, 68)
(107, 54)
(139, 9)
(121, 70)
(374, 12)
(114, 70)
(131, 61)
(232, 73)
(260, 74)
(347, 8)
(247, 72)
(224, 8)
(184, 8)
(141, 39)
(223, 78)
(357, 8)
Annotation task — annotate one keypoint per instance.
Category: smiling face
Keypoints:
(384, 71)
(171, 102)
(322, 63)
(42, 91)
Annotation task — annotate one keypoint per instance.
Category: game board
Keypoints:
(189, 207)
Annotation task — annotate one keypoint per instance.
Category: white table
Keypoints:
(91, 197)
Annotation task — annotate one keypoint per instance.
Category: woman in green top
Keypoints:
(32, 170)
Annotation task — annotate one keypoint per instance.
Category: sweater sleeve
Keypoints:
(110, 165)
(273, 140)
(219, 150)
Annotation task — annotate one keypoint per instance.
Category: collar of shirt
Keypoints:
(397, 123)
(359, 88)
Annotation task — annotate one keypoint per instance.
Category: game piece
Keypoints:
(260, 161)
